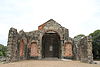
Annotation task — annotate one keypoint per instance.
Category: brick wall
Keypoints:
(22, 48)
(68, 49)
(34, 50)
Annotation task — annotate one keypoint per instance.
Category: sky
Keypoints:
(79, 16)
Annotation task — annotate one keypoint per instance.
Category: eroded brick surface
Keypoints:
(22, 48)
(20, 45)
(68, 49)
(34, 50)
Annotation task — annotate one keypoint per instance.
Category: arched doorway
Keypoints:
(51, 45)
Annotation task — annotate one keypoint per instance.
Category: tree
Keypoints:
(3, 50)
(96, 44)
(79, 37)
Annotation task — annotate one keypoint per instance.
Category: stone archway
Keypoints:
(51, 45)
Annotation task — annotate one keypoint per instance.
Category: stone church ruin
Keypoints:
(51, 40)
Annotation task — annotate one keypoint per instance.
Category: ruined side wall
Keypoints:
(85, 50)
(12, 54)
(23, 45)
(17, 45)
(33, 44)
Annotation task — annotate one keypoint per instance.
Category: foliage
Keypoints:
(78, 37)
(96, 44)
(3, 50)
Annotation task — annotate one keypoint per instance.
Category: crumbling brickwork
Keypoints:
(21, 48)
(34, 49)
(68, 49)
(30, 45)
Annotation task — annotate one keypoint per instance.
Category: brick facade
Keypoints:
(21, 46)
(68, 49)
(34, 50)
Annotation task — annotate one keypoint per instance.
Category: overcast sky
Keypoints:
(79, 16)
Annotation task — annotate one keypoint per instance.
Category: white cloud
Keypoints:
(79, 16)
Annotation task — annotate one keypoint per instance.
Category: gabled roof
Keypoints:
(42, 25)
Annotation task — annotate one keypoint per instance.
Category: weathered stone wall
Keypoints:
(85, 50)
(24, 48)
(52, 26)
(21, 46)
(17, 45)
(12, 54)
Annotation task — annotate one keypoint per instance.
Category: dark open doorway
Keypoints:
(51, 45)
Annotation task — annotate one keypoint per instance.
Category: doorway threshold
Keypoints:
(55, 59)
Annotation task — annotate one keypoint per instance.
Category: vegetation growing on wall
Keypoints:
(78, 37)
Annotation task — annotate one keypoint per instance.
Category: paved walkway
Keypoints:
(48, 63)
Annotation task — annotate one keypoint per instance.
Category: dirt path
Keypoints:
(48, 63)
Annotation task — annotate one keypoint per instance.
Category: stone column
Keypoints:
(85, 46)
(62, 49)
(12, 45)
(89, 49)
